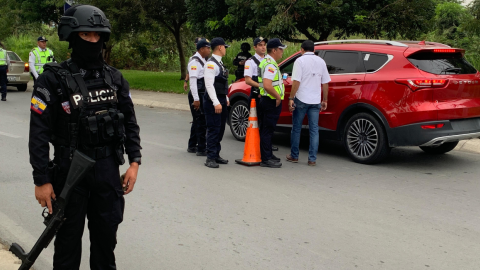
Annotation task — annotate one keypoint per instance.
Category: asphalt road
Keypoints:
(412, 212)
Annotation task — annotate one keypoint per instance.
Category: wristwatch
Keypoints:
(186, 81)
(290, 98)
(137, 160)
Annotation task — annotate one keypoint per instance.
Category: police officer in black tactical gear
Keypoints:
(215, 102)
(240, 60)
(84, 104)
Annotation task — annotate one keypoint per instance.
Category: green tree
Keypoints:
(314, 20)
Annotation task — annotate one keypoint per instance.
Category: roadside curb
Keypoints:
(160, 104)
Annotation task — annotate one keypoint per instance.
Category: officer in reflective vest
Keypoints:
(215, 102)
(39, 56)
(4, 64)
(272, 91)
(196, 70)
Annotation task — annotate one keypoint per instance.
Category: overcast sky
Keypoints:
(466, 2)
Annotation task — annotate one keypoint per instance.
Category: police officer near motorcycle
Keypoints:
(196, 67)
(215, 102)
(83, 104)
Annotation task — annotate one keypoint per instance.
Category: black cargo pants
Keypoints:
(99, 197)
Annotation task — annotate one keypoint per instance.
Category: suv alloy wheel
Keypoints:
(365, 139)
(239, 119)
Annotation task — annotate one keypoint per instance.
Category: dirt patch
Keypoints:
(8, 261)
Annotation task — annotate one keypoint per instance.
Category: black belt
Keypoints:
(93, 152)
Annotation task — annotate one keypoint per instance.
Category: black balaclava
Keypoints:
(87, 55)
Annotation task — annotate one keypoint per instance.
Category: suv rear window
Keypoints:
(442, 63)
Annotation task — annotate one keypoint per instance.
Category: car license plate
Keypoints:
(12, 78)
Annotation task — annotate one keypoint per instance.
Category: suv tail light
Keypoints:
(27, 68)
(416, 84)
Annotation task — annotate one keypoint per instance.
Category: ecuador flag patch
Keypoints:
(38, 105)
(271, 70)
(210, 66)
(193, 68)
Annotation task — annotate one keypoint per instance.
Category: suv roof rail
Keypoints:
(376, 41)
(426, 42)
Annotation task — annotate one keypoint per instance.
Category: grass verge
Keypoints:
(157, 81)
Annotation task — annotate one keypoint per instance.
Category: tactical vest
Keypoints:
(277, 82)
(200, 81)
(88, 119)
(221, 80)
(3, 57)
(41, 58)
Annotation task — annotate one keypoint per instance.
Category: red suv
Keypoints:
(385, 94)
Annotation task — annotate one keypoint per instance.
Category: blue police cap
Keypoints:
(258, 40)
(42, 39)
(202, 43)
(275, 43)
(218, 41)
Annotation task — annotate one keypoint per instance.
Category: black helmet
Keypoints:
(245, 47)
(83, 18)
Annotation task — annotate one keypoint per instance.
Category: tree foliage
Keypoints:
(314, 20)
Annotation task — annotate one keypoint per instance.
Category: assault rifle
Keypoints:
(79, 167)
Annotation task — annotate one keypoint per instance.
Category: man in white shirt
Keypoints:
(215, 102)
(196, 66)
(309, 79)
(38, 57)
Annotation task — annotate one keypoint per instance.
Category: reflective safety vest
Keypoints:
(3, 57)
(41, 58)
(277, 82)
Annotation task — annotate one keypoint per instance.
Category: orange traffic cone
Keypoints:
(251, 153)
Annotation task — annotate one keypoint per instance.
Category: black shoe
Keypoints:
(274, 148)
(220, 160)
(202, 154)
(211, 163)
(192, 149)
(271, 164)
(4, 99)
(275, 158)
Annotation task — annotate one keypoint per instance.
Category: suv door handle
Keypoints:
(354, 81)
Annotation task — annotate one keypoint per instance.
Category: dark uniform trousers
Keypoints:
(199, 126)
(215, 125)
(268, 115)
(99, 197)
(3, 81)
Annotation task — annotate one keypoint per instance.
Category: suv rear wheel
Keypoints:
(365, 140)
(441, 149)
(239, 119)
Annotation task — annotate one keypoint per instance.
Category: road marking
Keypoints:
(10, 135)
